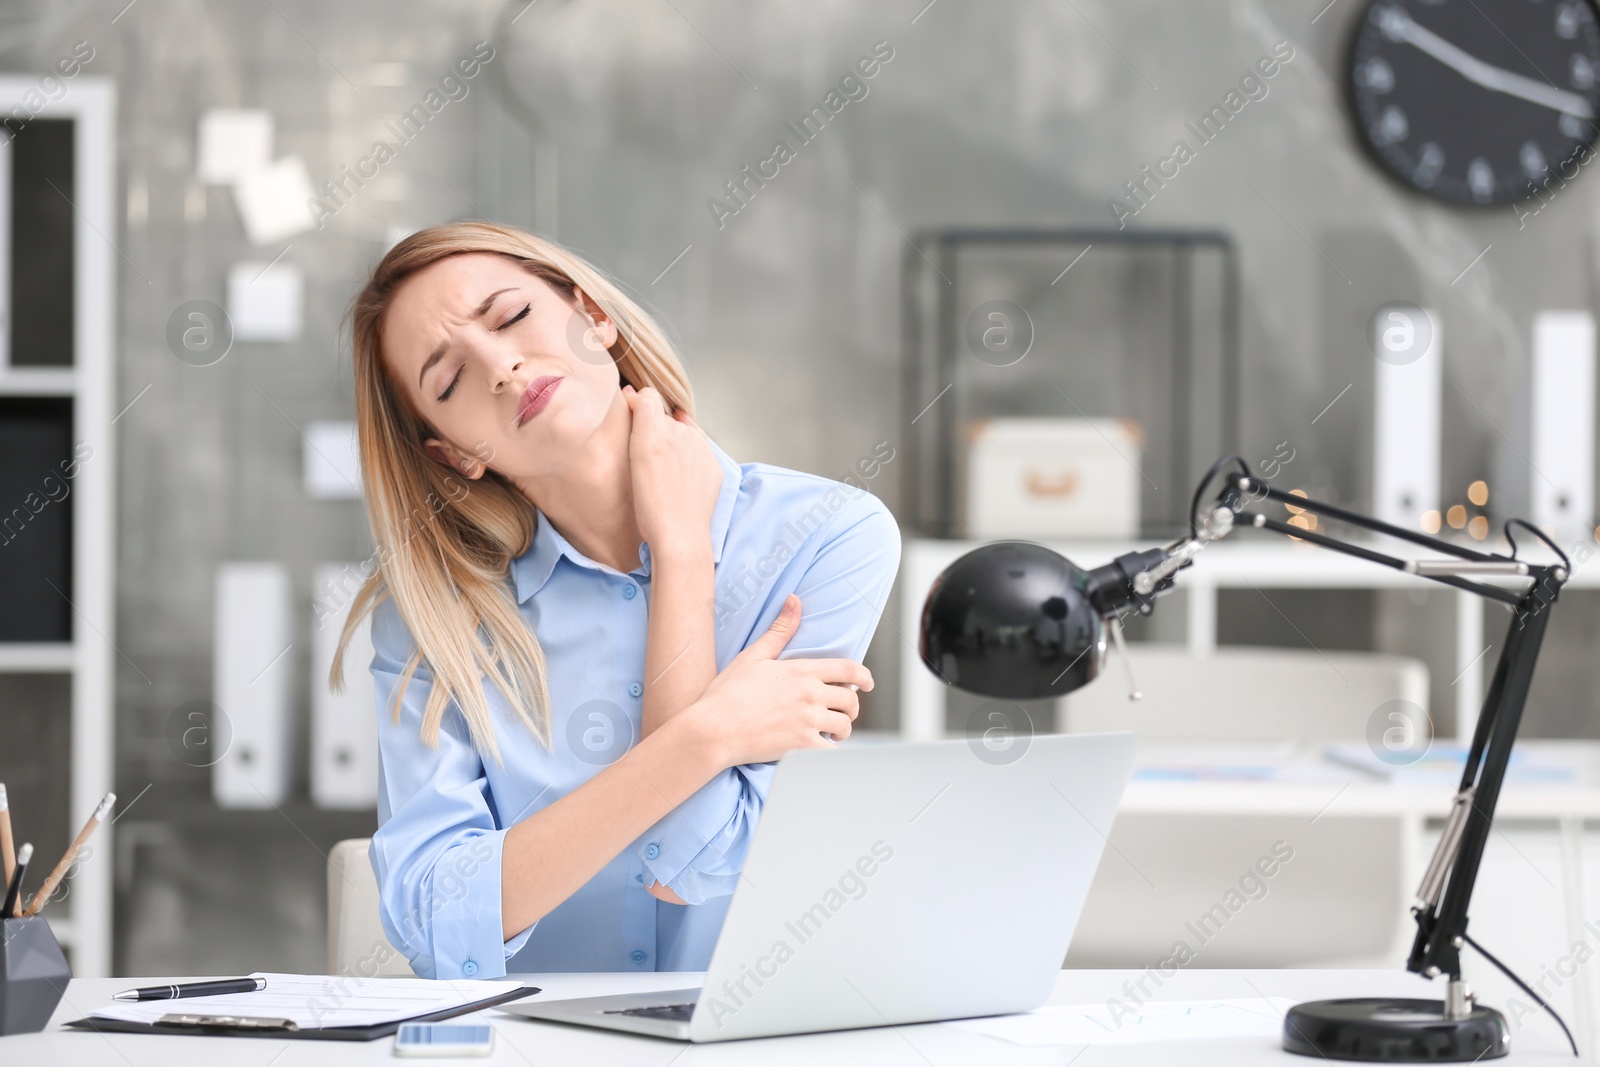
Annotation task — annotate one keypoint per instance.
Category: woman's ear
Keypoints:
(605, 331)
(470, 467)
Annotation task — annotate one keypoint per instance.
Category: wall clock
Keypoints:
(1476, 101)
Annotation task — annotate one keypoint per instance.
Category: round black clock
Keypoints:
(1477, 101)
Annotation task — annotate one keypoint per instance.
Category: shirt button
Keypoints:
(634, 689)
(637, 955)
(639, 878)
(469, 968)
(652, 851)
(629, 591)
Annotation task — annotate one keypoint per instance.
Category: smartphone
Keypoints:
(443, 1039)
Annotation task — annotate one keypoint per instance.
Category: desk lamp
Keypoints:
(1014, 620)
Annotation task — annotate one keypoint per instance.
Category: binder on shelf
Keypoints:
(1561, 482)
(254, 665)
(1406, 425)
(344, 731)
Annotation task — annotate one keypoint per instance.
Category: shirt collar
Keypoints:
(533, 568)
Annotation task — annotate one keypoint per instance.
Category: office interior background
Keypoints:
(628, 130)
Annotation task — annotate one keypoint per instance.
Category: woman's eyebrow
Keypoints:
(438, 353)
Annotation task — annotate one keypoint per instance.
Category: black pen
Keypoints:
(14, 890)
(193, 989)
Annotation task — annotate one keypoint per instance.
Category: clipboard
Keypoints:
(242, 1028)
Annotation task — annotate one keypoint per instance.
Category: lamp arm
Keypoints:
(1261, 522)
(1442, 926)
(1446, 890)
(1252, 484)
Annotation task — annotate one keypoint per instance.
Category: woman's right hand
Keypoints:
(761, 707)
(675, 476)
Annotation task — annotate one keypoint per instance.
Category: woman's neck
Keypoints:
(590, 498)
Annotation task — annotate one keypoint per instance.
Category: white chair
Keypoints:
(357, 945)
(1245, 694)
(1170, 879)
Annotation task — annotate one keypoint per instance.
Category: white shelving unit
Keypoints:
(83, 923)
(1224, 565)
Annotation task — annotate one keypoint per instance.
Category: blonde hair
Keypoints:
(445, 543)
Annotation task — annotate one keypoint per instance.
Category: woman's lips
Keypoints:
(538, 394)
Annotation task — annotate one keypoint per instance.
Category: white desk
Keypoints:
(521, 1042)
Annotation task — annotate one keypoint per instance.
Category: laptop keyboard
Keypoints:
(678, 1013)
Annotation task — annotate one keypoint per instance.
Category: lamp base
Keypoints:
(1393, 1030)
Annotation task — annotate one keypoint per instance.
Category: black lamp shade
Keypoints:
(1012, 620)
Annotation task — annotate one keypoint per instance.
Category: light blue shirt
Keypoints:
(443, 813)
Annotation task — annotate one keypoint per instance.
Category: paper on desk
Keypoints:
(1441, 764)
(1272, 761)
(1100, 1024)
(314, 1000)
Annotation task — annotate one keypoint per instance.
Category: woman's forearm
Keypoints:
(550, 854)
(680, 646)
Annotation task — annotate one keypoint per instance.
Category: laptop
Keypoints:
(899, 882)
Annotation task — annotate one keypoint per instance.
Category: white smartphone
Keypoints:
(444, 1039)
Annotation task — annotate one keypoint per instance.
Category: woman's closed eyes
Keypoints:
(512, 321)
(518, 317)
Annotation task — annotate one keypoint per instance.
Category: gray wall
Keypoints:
(632, 114)
(1031, 112)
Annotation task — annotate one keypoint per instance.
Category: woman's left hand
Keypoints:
(676, 476)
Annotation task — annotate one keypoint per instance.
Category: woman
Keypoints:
(542, 520)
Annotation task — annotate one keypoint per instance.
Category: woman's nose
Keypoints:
(506, 367)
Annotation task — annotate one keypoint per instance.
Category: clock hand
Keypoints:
(1397, 25)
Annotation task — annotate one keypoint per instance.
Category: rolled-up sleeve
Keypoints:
(699, 849)
(437, 848)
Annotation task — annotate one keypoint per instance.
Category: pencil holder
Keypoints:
(33, 975)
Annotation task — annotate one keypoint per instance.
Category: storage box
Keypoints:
(1051, 478)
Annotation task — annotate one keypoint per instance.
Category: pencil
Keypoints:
(8, 850)
(10, 908)
(63, 864)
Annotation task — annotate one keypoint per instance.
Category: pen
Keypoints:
(65, 862)
(14, 887)
(193, 989)
(8, 850)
